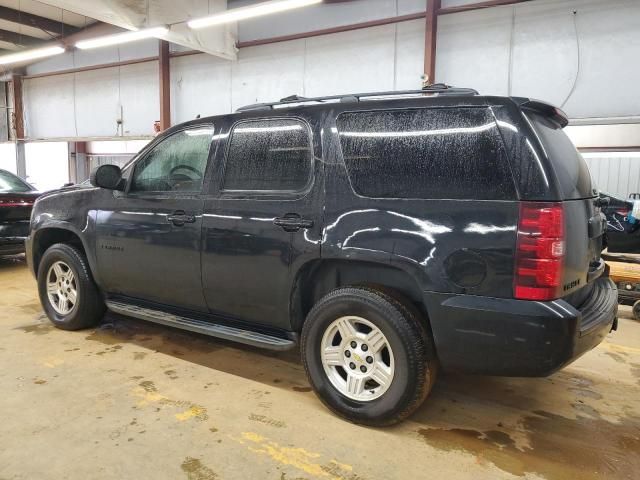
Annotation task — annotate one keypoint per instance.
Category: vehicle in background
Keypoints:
(623, 231)
(387, 234)
(16, 201)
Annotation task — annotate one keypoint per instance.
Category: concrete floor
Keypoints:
(133, 400)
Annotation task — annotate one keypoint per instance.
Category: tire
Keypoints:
(409, 362)
(88, 308)
(636, 310)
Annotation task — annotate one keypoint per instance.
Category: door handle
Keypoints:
(179, 218)
(292, 222)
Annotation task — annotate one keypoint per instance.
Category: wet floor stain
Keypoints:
(148, 386)
(197, 412)
(112, 349)
(559, 448)
(267, 421)
(171, 374)
(139, 355)
(635, 371)
(302, 389)
(196, 470)
(583, 392)
(616, 356)
(37, 329)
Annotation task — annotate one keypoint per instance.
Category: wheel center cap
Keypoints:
(357, 357)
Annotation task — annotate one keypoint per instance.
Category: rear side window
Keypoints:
(268, 155)
(570, 168)
(438, 153)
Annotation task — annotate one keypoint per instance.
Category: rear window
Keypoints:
(569, 166)
(11, 183)
(438, 153)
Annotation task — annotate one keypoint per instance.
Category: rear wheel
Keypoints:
(67, 292)
(636, 310)
(368, 356)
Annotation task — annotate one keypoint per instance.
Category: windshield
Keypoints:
(571, 169)
(10, 183)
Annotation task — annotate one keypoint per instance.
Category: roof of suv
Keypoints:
(431, 90)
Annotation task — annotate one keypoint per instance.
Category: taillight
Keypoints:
(16, 203)
(540, 249)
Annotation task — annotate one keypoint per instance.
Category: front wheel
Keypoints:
(368, 356)
(67, 292)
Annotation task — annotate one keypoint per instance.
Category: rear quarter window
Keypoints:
(570, 168)
(437, 153)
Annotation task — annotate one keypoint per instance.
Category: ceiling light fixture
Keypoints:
(242, 13)
(119, 38)
(31, 54)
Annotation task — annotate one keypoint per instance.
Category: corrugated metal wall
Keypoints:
(615, 173)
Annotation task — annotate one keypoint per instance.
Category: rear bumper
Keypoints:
(12, 237)
(498, 336)
(11, 246)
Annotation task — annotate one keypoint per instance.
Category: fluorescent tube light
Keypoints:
(119, 38)
(251, 11)
(31, 54)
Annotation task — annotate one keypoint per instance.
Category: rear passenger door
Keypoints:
(262, 221)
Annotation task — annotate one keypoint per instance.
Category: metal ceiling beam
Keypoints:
(478, 6)
(19, 38)
(430, 41)
(36, 21)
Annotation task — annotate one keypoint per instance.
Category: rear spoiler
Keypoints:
(542, 108)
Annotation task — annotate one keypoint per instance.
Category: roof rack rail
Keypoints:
(436, 89)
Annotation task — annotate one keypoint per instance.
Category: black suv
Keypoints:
(386, 234)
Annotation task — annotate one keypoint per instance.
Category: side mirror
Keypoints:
(107, 176)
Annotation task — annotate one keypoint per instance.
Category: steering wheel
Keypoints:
(186, 167)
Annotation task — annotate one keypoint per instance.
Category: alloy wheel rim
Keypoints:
(62, 290)
(357, 358)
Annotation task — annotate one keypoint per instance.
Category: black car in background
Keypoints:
(623, 233)
(16, 201)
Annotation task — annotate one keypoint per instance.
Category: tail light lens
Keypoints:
(540, 250)
(12, 203)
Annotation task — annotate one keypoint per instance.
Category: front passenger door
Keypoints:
(149, 241)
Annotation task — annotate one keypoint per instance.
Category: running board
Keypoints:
(226, 332)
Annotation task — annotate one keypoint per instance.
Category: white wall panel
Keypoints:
(473, 50)
(268, 72)
(97, 102)
(409, 55)
(616, 173)
(356, 61)
(49, 107)
(139, 94)
(609, 33)
(200, 85)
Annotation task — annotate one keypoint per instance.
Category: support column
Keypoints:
(21, 163)
(430, 41)
(78, 166)
(17, 121)
(165, 85)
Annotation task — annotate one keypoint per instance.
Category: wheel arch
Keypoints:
(317, 278)
(48, 236)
